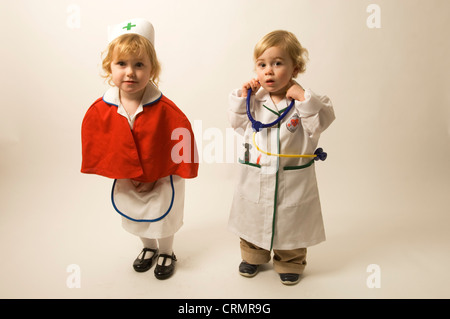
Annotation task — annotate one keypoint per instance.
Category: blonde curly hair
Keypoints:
(131, 44)
(287, 41)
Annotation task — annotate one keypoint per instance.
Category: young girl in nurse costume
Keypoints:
(276, 203)
(131, 135)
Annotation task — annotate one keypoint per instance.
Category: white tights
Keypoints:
(165, 246)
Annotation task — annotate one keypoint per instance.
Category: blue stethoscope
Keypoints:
(257, 126)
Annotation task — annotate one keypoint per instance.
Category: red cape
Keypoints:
(111, 149)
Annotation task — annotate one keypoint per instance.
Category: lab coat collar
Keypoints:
(151, 95)
(263, 96)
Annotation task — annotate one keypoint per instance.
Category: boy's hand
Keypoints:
(253, 84)
(295, 92)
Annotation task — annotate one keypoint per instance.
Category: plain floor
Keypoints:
(46, 227)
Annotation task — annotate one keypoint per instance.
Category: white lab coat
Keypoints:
(276, 201)
(150, 210)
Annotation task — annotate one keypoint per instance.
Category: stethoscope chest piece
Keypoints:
(320, 154)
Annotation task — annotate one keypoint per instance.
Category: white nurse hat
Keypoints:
(138, 26)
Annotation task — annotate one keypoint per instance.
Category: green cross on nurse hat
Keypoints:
(139, 26)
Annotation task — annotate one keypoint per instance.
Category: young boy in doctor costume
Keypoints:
(276, 202)
(127, 135)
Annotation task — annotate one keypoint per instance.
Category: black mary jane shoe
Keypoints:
(141, 264)
(163, 271)
(247, 270)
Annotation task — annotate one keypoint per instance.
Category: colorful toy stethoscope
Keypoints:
(257, 126)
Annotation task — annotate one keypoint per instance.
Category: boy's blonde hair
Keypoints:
(131, 44)
(286, 41)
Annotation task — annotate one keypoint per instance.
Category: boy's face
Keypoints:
(131, 74)
(274, 70)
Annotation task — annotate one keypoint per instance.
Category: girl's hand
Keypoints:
(253, 84)
(295, 92)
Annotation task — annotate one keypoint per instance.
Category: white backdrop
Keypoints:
(384, 187)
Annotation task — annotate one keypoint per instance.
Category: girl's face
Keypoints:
(275, 69)
(131, 74)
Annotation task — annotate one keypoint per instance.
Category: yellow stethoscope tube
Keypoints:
(280, 155)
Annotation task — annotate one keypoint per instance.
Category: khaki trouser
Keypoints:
(291, 261)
